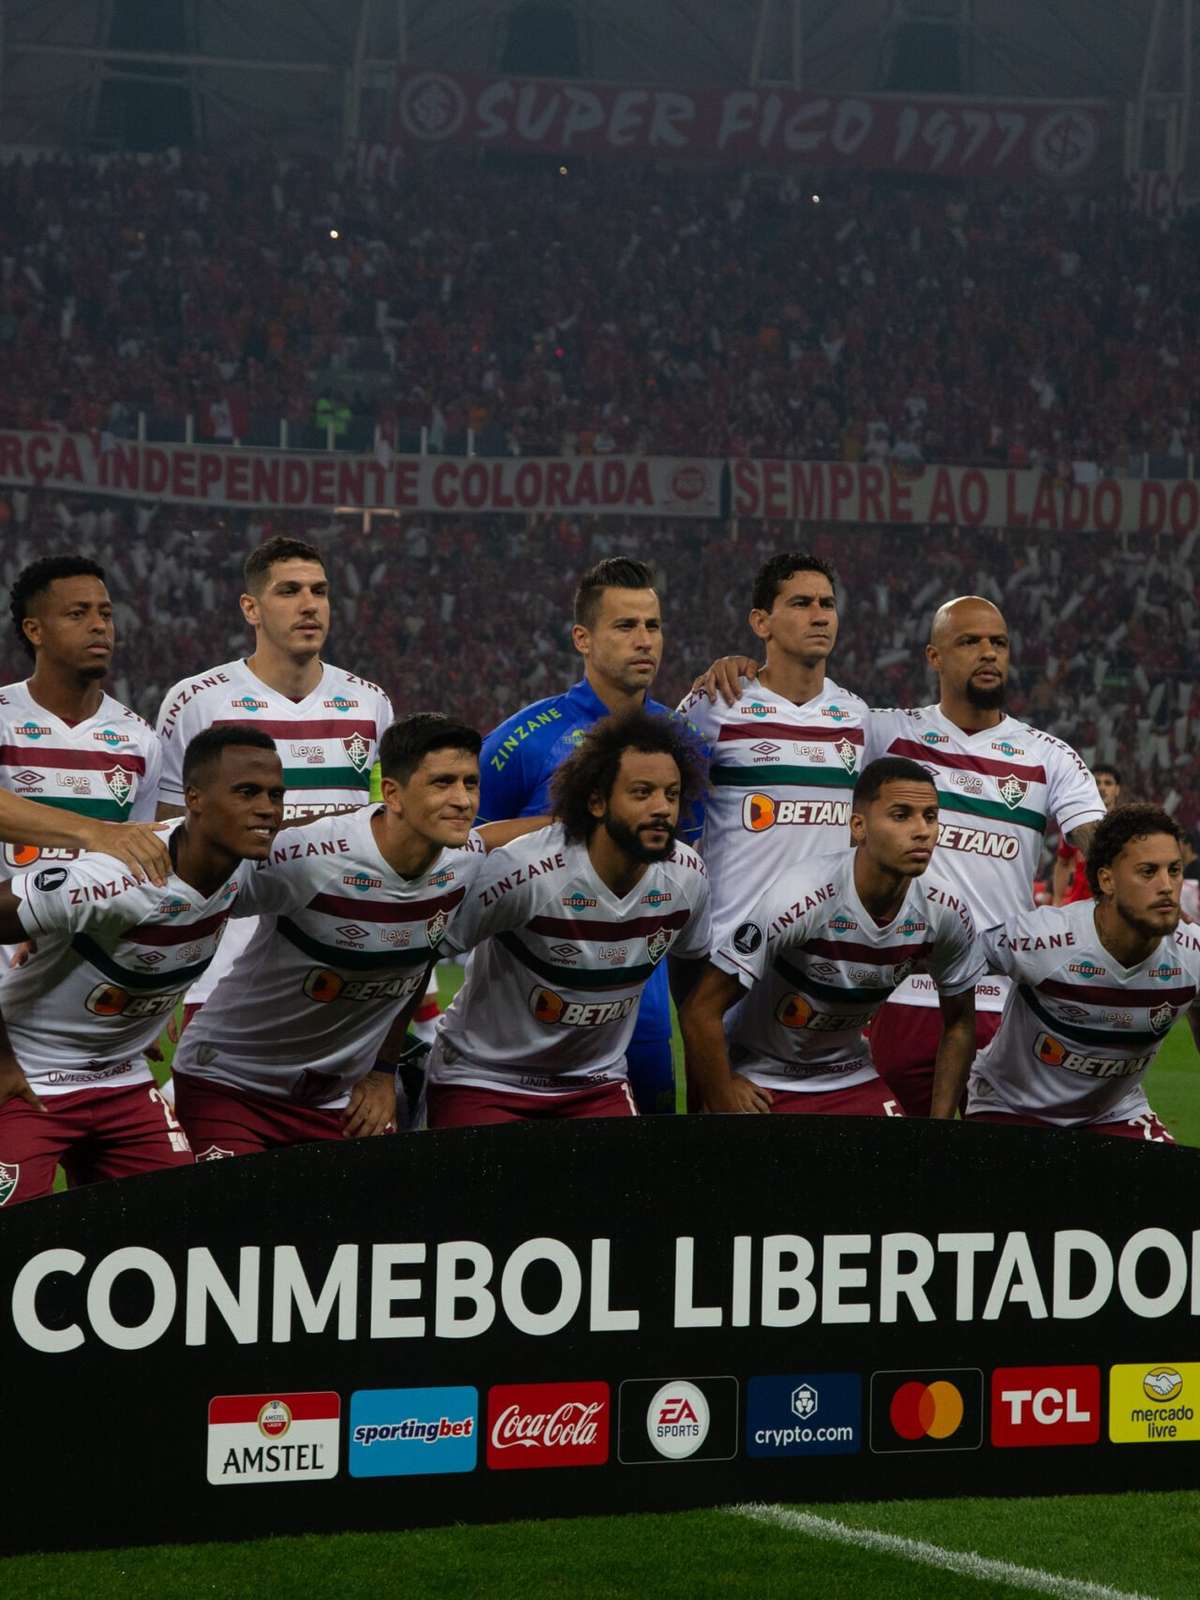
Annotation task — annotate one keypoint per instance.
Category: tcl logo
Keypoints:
(1045, 1405)
(548, 1425)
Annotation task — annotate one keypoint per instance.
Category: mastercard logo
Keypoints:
(546, 1005)
(323, 986)
(758, 812)
(1050, 1050)
(926, 1410)
(793, 1011)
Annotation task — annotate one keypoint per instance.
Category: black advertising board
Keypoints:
(592, 1317)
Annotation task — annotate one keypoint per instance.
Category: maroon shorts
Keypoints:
(1147, 1126)
(222, 1121)
(92, 1133)
(904, 1046)
(873, 1099)
(461, 1105)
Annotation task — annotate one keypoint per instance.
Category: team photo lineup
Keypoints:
(837, 898)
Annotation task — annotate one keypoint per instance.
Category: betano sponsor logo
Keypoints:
(324, 986)
(978, 841)
(1052, 1052)
(762, 811)
(554, 1009)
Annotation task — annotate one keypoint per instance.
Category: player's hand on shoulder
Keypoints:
(142, 846)
(14, 1085)
(722, 678)
(372, 1108)
(22, 953)
(742, 1098)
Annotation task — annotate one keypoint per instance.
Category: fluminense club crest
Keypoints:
(358, 751)
(1013, 790)
(847, 752)
(120, 784)
(436, 926)
(658, 943)
(1161, 1017)
(8, 1180)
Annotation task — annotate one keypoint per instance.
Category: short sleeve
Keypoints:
(289, 877)
(51, 904)
(958, 960)
(1072, 796)
(743, 953)
(695, 938)
(997, 952)
(494, 904)
(145, 801)
(172, 740)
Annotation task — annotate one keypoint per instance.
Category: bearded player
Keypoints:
(567, 927)
(820, 953)
(1096, 989)
(112, 958)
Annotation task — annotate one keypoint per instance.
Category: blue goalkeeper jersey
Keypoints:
(518, 760)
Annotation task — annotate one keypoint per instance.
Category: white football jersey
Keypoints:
(782, 776)
(328, 743)
(550, 1000)
(113, 959)
(817, 967)
(342, 943)
(107, 767)
(997, 789)
(1079, 1031)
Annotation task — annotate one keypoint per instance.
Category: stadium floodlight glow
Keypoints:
(562, 171)
(816, 199)
(333, 233)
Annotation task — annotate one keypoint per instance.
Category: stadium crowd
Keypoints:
(474, 616)
(593, 311)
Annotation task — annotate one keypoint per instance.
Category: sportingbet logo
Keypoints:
(762, 811)
(548, 1425)
(1045, 1406)
(32, 730)
(413, 1432)
(1153, 1404)
(552, 1008)
(249, 703)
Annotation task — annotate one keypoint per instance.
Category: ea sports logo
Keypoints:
(323, 986)
(274, 1419)
(106, 1000)
(1050, 1050)
(794, 1011)
(677, 1420)
(546, 1005)
(926, 1410)
(758, 812)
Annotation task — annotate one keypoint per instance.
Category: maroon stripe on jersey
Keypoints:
(341, 905)
(590, 932)
(1115, 997)
(47, 755)
(871, 955)
(951, 758)
(303, 730)
(175, 932)
(785, 730)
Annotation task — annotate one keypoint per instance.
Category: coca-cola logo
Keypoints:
(548, 1425)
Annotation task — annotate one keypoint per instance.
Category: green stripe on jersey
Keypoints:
(804, 981)
(353, 960)
(764, 777)
(100, 810)
(326, 778)
(992, 808)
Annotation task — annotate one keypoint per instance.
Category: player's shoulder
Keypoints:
(113, 711)
(835, 699)
(1044, 930)
(541, 719)
(327, 839)
(685, 862)
(195, 694)
(14, 698)
(547, 844)
(92, 879)
(351, 684)
(1187, 944)
(943, 901)
(700, 713)
(1047, 745)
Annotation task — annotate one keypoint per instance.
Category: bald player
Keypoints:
(998, 782)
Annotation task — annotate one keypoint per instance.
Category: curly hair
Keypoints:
(1120, 827)
(592, 767)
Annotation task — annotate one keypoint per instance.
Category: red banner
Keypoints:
(306, 481)
(966, 497)
(1057, 141)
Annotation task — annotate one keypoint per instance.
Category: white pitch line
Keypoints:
(932, 1555)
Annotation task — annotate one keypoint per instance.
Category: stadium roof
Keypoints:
(286, 69)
